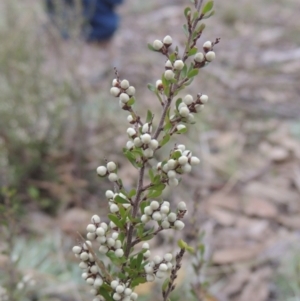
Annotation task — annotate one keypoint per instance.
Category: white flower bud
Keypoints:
(147, 254)
(103, 249)
(165, 168)
(171, 174)
(91, 257)
(119, 253)
(168, 64)
(178, 225)
(182, 105)
(153, 144)
(180, 127)
(184, 112)
(168, 257)
(101, 171)
(124, 97)
(129, 145)
(113, 208)
(150, 277)
(172, 217)
(167, 40)
(95, 219)
(114, 82)
(98, 282)
(157, 44)
(115, 235)
(112, 225)
(204, 98)
(101, 239)
(207, 45)
(181, 147)
(164, 209)
(156, 216)
(109, 194)
(171, 164)
(199, 57)
(91, 228)
(120, 289)
(186, 168)
(173, 182)
(131, 132)
(157, 259)
(187, 153)
(118, 244)
(115, 91)
(154, 205)
(145, 218)
(84, 275)
(76, 249)
(111, 242)
(148, 210)
(124, 84)
(117, 297)
(182, 160)
(191, 118)
(90, 281)
(127, 291)
(147, 128)
(188, 99)
(94, 269)
(148, 153)
(111, 166)
(137, 142)
(129, 118)
(169, 74)
(178, 64)
(199, 108)
(104, 226)
(84, 256)
(87, 242)
(210, 56)
(130, 91)
(114, 284)
(100, 231)
(170, 265)
(181, 206)
(148, 269)
(113, 177)
(83, 265)
(160, 274)
(159, 84)
(194, 161)
(145, 245)
(146, 138)
(163, 267)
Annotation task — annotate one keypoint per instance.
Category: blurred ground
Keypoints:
(248, 186)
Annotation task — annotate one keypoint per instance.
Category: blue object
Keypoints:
(100, 19)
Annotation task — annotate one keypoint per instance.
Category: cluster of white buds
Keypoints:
(208, 56)
(171, 68)
(142, 139)
(163, 45)
(188, 106)
(180, 162)
(109, 170)
(158, 267)
(160, 212)
(122, 291)
(123, 90)
(113, 206)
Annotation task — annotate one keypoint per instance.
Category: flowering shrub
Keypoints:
(138, 215)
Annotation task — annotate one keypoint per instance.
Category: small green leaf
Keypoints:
(165, 284)
(178, 102)
(187, 11)
(105, 294)
(151, 174)
(185, 29)
(154, 193)
(131, 101)
(172, 57)
(207, 7)
(132, 193)
(182, 131)
(200, 28)
(193, 73)
(139, 260)
(151, 87)
(118, 199)
(193, 51)
(130, 157)
(182, 244)
(209, 15)
(184, 71)
(148, 237)
(138, 281)
(149, 116)
(195, 15)
(116, 220)
(151, 47)
(165, 140)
